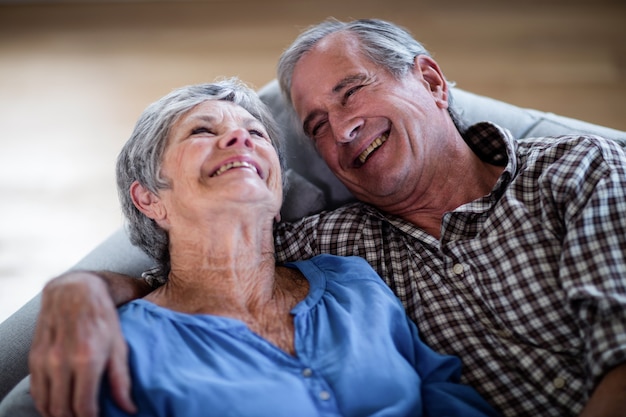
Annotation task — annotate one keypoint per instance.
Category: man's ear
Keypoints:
(431, 73)
(147, 202)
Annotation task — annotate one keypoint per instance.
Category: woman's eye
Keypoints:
(201, 130)
(257, 133)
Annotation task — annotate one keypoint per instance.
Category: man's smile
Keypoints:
(373, 146)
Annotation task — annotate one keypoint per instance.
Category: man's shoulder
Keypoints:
(569, 142)
(350, 213)
(571, 148)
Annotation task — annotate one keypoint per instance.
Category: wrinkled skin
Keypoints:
(77, 339)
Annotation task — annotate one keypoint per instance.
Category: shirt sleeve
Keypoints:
(592, 199)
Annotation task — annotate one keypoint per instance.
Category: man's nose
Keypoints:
(237, 137)
(346, 129)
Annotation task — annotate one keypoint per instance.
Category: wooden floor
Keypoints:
(74, 76)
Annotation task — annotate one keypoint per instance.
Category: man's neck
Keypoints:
(460, 185)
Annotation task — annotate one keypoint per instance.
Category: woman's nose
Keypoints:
(237, 137)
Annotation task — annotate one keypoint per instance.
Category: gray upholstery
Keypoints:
(312, 188)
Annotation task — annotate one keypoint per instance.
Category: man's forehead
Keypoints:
(331, 64)
(309, 81)
(340, 41)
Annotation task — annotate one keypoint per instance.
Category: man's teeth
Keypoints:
(373, 146)
(237, 164)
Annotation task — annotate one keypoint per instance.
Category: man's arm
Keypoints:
(592, 267)
(77, 339)
(609, 397)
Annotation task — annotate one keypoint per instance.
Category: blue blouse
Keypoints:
(357, 354)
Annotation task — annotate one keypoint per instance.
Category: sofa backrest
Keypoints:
(312, 187)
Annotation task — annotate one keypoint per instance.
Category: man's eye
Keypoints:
(349, 93)
(317, 129)
(353, 90)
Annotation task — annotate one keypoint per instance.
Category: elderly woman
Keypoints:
(230, 332)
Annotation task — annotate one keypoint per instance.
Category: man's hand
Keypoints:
(77, 339)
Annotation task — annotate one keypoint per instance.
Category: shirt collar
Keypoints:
(495, 145)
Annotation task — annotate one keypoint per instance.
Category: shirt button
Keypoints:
(457, 269)
(558, 382)
(307, 372)
(324, 395)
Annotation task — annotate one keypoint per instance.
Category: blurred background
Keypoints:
(75, 75)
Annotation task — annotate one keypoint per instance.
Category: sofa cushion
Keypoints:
(526, 123)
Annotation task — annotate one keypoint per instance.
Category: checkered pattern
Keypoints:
(527, 285)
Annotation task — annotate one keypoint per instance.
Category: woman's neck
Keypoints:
(218, 263)
(232, 273)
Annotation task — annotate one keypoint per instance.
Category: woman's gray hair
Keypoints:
(386, 44)
(141, 157)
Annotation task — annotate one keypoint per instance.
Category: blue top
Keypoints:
(357, 354)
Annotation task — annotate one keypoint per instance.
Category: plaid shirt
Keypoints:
(527, 285)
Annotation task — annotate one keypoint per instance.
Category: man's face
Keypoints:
(375, 132)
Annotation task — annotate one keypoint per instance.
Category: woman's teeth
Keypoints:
(373, 146)
(237, 164)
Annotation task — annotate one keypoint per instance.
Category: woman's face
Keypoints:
(219, 156)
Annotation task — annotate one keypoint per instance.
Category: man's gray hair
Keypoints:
(388, 45)
(141, 157)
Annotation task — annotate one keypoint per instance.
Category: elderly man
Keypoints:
(509, 254)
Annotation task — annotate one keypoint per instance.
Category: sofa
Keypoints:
(311, 188)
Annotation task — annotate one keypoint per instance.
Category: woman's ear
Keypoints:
(147, 202)
(431, 73)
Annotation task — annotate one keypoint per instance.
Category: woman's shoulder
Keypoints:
(143, 315)
(344, 265)
(347, 265)
(338, 269)
(349, 282)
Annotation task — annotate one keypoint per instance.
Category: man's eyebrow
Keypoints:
(350, 79)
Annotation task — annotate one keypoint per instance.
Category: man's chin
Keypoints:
(373, 196)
